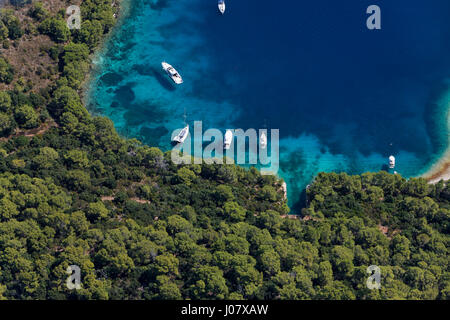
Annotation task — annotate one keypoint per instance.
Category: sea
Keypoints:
(343, 97)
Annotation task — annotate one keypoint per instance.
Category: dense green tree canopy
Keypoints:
(55, 28)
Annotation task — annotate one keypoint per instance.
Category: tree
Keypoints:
(77, 180)
(268, 193)
(38, 12)
(208, 283)
(7, 124)
(8, 209)
(400, 249)
(168, 290)
(189, 214)
(12, 23)
(6, 71)
(224, 193)
(76, 159)
(270, 262)
(234, 211)
(342, 259)
(69, 122)
(97, 210)
(325, 273)
(26, 117)
(227, 173)
(2, 291)
(113, 257)
(66, 99)
(75, 52)
(285, 286)
(74, 73)
(56, 29)
(90, 33)
(4, 32)
(185, 176)
(5, 101)
(303, 282)
(75, 59)
(166, 264)
(46, 158)
(99, 10)
(270, 219)
(176, 224)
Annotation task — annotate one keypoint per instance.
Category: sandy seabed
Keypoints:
(441, 169)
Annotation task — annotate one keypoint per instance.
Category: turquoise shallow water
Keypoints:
(344, 98)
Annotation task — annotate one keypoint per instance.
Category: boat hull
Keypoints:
(263, 141)
(221, 6)
(176, 78)
(181, 137)
(228, 139)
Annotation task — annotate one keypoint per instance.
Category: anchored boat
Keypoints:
(228, 139)
(172, 73)
(221, 6)
(182, 135)
(391, 162)
(263, 141)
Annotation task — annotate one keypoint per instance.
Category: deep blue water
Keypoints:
(344, 97)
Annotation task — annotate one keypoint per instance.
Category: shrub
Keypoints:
(12, 23)
(38, 12)
(56, 29)
(6, 71)
(7, 124)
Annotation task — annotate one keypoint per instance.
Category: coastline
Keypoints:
(123, 10)
(440, 170)
(437, 170)
(123, 7)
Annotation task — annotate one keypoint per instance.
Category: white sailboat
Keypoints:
(172, 73)
(221, 6)
(228, 139)
(263, 140)
(182, 135)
